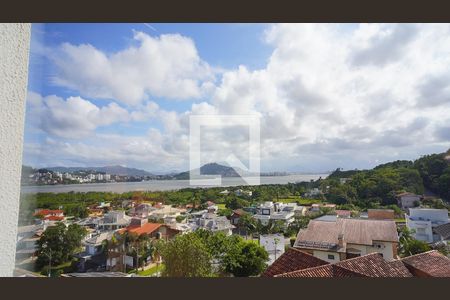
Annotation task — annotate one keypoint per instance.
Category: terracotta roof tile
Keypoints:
(292, 260)
(374, 265)
(54, 218)
(322, 271)
(355, 231)
(45, 212)
(371, 265)
(431, 263)
(147, 228)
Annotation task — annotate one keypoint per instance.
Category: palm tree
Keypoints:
(115, 248)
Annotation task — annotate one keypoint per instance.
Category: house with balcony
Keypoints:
(212, 222)
(423, 222)
(270, 211)
(294, 207)
(113, 220)
(345, 238)
(93, 257)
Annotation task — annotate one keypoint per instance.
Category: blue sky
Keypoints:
(328, 95)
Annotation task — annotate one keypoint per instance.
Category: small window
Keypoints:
(330, 256)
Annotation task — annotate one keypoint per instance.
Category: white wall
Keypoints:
(387, 249)
(324, 256)
(14, 49)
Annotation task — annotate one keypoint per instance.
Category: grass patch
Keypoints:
(400, 220)
(149, 272)
(55, 271)
(221, 206)
(287, 200)
(301, 201)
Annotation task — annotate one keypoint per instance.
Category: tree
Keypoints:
(186, 256)
(299, 223)
(60, 243)
(409, 245)
(245, 259)
(248, 223)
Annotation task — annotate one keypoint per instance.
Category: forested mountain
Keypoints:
(211, 169)
(380, 185)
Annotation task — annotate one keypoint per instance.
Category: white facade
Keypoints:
(274, 211)
(329, 256)
(409, 200)
(423, 220)
(386, 249)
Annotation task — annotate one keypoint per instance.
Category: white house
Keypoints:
(241, 192)
(424, 220)
(224, 192)
(313, 192)
(294, 207)
(268, 211)
(408, 200)
(114, 220)
(212, 222)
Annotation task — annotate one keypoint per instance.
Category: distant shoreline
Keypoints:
(161, 185)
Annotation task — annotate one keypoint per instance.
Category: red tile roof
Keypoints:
(147, 228)
(45, 212)
(370, 265)
(292, 260)
(430, 263)
(54, 218)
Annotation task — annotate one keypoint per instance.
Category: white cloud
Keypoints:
(165, 66)
(71, 118)
(330, 96)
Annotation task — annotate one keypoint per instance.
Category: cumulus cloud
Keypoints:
(330, 96)
(381, 44)
(165, 66)
(73, 117)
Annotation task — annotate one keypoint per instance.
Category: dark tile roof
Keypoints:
(370, 265)
(322, 271)
(443, 230)
(374, 265)
(431, 263)
(401, 268)
(292, 260)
